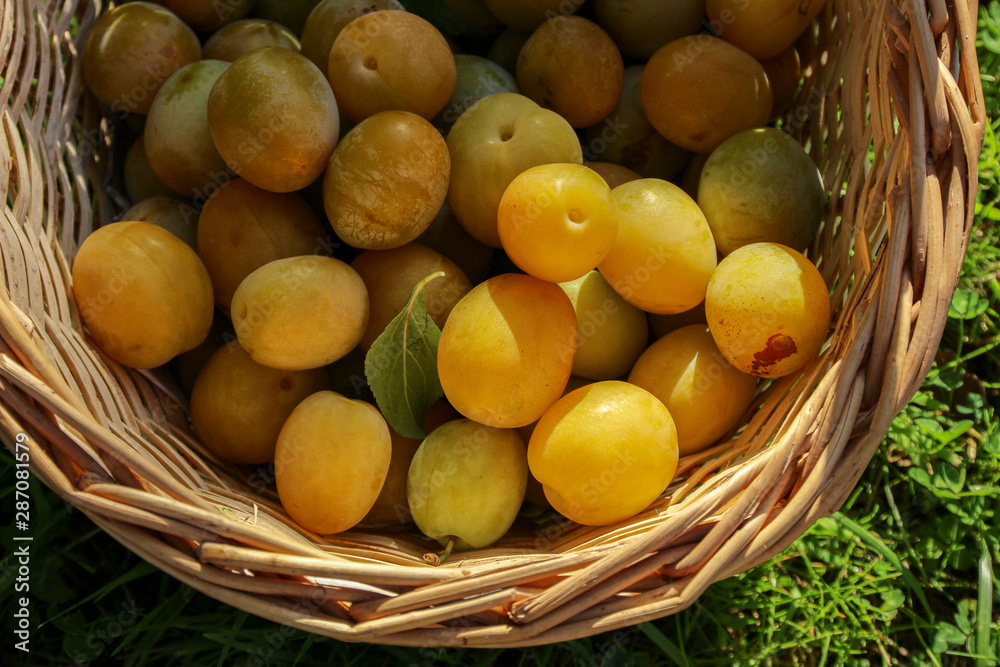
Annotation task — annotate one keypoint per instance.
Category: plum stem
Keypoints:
(436, 559)
(447, 548)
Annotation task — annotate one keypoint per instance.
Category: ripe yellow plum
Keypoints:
(331, 461)
(571, 66)
(763, 28)
(466, 483)
(535, 493)
(664, 324)
(274, 119)
(525, 432)
(604, 453)
(611, 332)
(131, 50)
(698, 91)
(178, 143)
(242, 228)
(300, 312)
(143, 293)
(626, 137)
(386, 180)
(564, 206)
(664, 254)
(506, 47)
(187, 365)
(784, 71)
(769, 309)
(705, 395)
(476, 78)
(391, 60)
(692, 174)
(327, 19)
(761, 185)
(390, 276)
(391, 507)
(496, 139)
(239, 406)
(507, 350)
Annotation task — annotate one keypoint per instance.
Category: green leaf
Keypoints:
(920, 476)
(992, 443)
(951, 379)
(989, 212)
(946, 636)
(401, 365)
(967, 305)
(892, 600)
(935, 429)
(928, 425)
(947, 529)
(964, 614)
(950, 477)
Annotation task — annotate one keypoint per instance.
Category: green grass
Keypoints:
(903, 574)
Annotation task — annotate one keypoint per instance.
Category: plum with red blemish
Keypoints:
(768, 309)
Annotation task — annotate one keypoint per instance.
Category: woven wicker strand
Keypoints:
(892, 112)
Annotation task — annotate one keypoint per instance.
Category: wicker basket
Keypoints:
(892, 112)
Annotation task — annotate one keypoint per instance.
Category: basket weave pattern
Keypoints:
(891, 111)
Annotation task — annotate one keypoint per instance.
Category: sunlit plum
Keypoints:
(769, 309)
(506, 351)
(386, 181)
